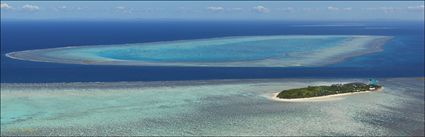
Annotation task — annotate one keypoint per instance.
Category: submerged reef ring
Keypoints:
(242, 51)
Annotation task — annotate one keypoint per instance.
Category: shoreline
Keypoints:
(319, 98)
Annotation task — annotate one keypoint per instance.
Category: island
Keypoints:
(317, 91)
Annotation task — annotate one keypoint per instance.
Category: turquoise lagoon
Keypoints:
(218, 107)
(243, 51)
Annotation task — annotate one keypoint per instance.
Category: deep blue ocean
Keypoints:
(403, 56)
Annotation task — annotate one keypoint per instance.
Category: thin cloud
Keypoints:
(386, 9)
(310, 9)
(261, 9)
(236, 9)
(63, 7)
(391, 10)
(215, 9)
(184, 10)
(416, 8)
(347, 9)
(331, 8)
(120, 8)
(287, 9)
(124, 9)
(29, 7)
(5, 6)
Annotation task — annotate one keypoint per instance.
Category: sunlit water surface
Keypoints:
(221, 107)
(251, 51)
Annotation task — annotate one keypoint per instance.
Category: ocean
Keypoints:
(68, 99)
(403, 56)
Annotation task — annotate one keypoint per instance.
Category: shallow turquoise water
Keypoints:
(249, 51)
(223, 51)
(222, 107)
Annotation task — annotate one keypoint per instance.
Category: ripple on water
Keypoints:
(208, 108)
(248, 51)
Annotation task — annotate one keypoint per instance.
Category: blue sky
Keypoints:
(214, 10)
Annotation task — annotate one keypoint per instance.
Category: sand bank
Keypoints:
(207, 52)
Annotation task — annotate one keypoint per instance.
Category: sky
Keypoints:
(213, 10)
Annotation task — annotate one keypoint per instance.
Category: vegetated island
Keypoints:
(318, 91)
